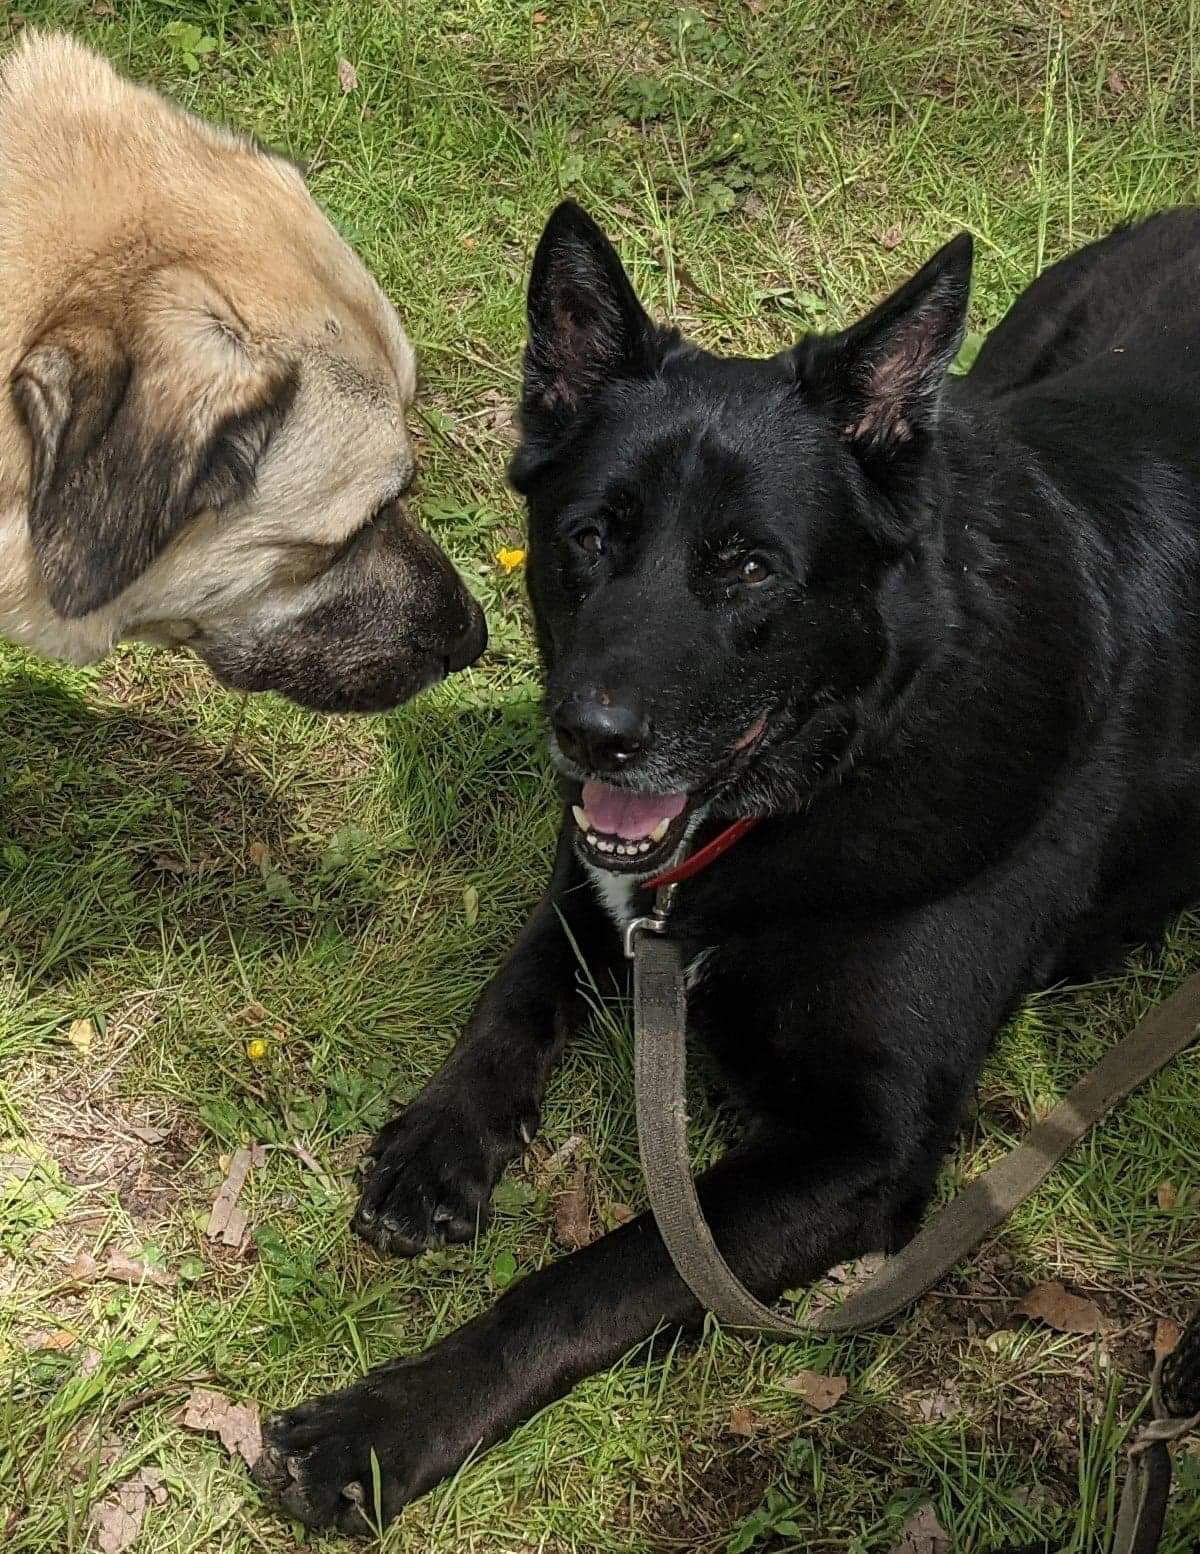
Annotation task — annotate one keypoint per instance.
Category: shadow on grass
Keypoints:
(122, 830)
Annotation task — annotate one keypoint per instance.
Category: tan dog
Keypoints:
(204, 440)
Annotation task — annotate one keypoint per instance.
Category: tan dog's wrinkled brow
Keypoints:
(204, 383)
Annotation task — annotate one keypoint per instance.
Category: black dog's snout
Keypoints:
(601, 732)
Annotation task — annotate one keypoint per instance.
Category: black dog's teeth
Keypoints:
(617, 847)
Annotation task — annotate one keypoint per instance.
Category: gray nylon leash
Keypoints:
(660, 1071)
(660, 1060)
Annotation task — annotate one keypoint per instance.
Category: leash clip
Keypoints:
(655, 923)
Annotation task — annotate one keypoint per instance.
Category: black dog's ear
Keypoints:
(881, 380)
(586, 326)
(132, 430)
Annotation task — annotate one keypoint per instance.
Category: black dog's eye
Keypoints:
(590, 541)
(747, 570)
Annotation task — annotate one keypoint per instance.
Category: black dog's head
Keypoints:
(728, 558)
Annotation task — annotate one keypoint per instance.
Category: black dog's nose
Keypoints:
(601, 732)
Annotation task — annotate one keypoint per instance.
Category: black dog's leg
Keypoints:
(431, 1171)
(781, 1214)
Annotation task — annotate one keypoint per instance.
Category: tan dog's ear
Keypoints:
(135, 429)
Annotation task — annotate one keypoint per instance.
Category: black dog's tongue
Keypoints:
(634, 816)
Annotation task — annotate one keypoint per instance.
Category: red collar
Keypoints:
(709, 853)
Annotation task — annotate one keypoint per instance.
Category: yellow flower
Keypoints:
(256, 1050)
(510, 560)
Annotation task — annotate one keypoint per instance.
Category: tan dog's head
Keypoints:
(206, 440)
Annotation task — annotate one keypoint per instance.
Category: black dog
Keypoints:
(944, 636)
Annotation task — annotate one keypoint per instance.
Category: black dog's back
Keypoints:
(1096, 368)
(1133, 294)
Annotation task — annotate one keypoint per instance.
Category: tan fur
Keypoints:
(119, 213)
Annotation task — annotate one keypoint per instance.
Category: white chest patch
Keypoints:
(615, 892)
(616, 897)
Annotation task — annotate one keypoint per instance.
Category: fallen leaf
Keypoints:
(51, 1339)
(1168, 1196)
(471, 905)
(259, 854)
(86, 1453)
(81, 1034)
(347, 76)
(91, 1362)
(81, 1270)
(615, 1214)
(922, 1533)
(538, 18)
(1054, 1305)
(147, 1134)
(1118, 82)
(117, 1519)
(819, 1392)
(168, 863)
(307, 1158)
(1000, 1341)
(935, 1405)
(235, 1424)
(744, 1421)
(891, 238)
(123, 1269)
(226, 1222)
(1166, 1335)
(16, 1168)
(858, 1271)
(572, 1214)
(563, 1153)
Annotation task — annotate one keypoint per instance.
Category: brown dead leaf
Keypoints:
(572, 1214)
(226, 1222)
(538, 18)
(1167, 1196)
(123, 1269)
(51, 1340)
(347, 76)
(82, 1269)
(117, 1519)
(147, 1134)
(744, 1421)
(891, 238)
(615, 1214)
(563, 1153)
(259, 854)
(1166, 1335)
(87, 1452)
(922, 1533)
(91, 1362)
(82, 1035)
(935, 1405)
(1055, 1305)
(819, 1392)
(102, 9)
(1118, 82)
(235, 1424)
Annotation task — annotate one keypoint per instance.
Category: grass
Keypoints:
(341, 890)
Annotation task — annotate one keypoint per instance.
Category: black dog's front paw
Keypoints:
(316, 1462)
(430, 1173)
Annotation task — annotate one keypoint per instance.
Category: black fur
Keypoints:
(977, 641)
